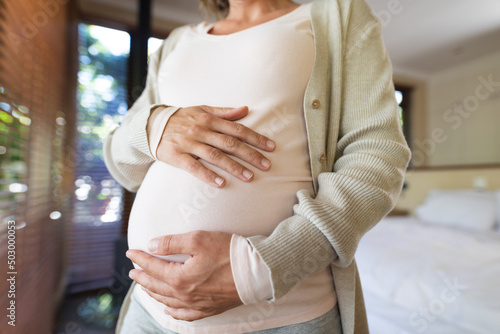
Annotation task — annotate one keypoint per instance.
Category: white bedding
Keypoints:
(420, 278)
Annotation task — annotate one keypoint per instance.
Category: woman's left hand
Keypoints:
(200, 287)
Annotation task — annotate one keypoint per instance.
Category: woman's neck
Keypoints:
(244, 12)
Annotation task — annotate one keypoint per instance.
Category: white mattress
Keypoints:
(408, 269)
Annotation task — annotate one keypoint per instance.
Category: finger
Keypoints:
(172, 244)
(220, 143)
(153, 284)
(187, 314)
(198, 170)
(212, 147)
(168, 301)
(230, 114)
(242, 133)
(217, 157)
(177, 303)
(167, 272)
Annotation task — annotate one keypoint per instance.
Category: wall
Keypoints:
(455, 122)
(463, 115)
(166, 15)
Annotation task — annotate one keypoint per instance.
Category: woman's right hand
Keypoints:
(210, 133)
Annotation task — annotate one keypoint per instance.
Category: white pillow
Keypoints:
(468, 209)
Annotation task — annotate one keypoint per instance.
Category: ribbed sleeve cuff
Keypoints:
(295, 251)
(139, 137)
(157, 123)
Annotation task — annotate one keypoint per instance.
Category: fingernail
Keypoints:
(247, 174)
(270, 144)
(219, 180)
(153, 245)
(265, 163)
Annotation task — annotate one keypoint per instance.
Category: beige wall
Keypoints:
(463, 115)
(455, 122)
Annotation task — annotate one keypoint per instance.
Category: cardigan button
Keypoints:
(315, 104)
(322, 158)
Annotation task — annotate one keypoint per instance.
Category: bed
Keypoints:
(424, 274)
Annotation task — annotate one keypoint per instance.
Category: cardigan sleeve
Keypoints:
(368, 170)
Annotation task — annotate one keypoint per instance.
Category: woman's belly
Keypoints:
(172, 201)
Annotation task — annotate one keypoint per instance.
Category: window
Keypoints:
(154, 44)
(403, 97)
(99, 202)
(102, 103)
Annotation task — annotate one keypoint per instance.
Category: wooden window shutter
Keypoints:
(36, 116)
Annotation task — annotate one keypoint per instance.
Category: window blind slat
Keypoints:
(34, 99)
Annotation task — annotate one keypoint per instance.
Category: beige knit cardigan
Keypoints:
(358, 154)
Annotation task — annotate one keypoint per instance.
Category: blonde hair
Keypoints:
(219, 8)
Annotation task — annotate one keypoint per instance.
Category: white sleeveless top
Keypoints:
(265, 67)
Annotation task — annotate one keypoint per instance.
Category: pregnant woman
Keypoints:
(262, 149)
